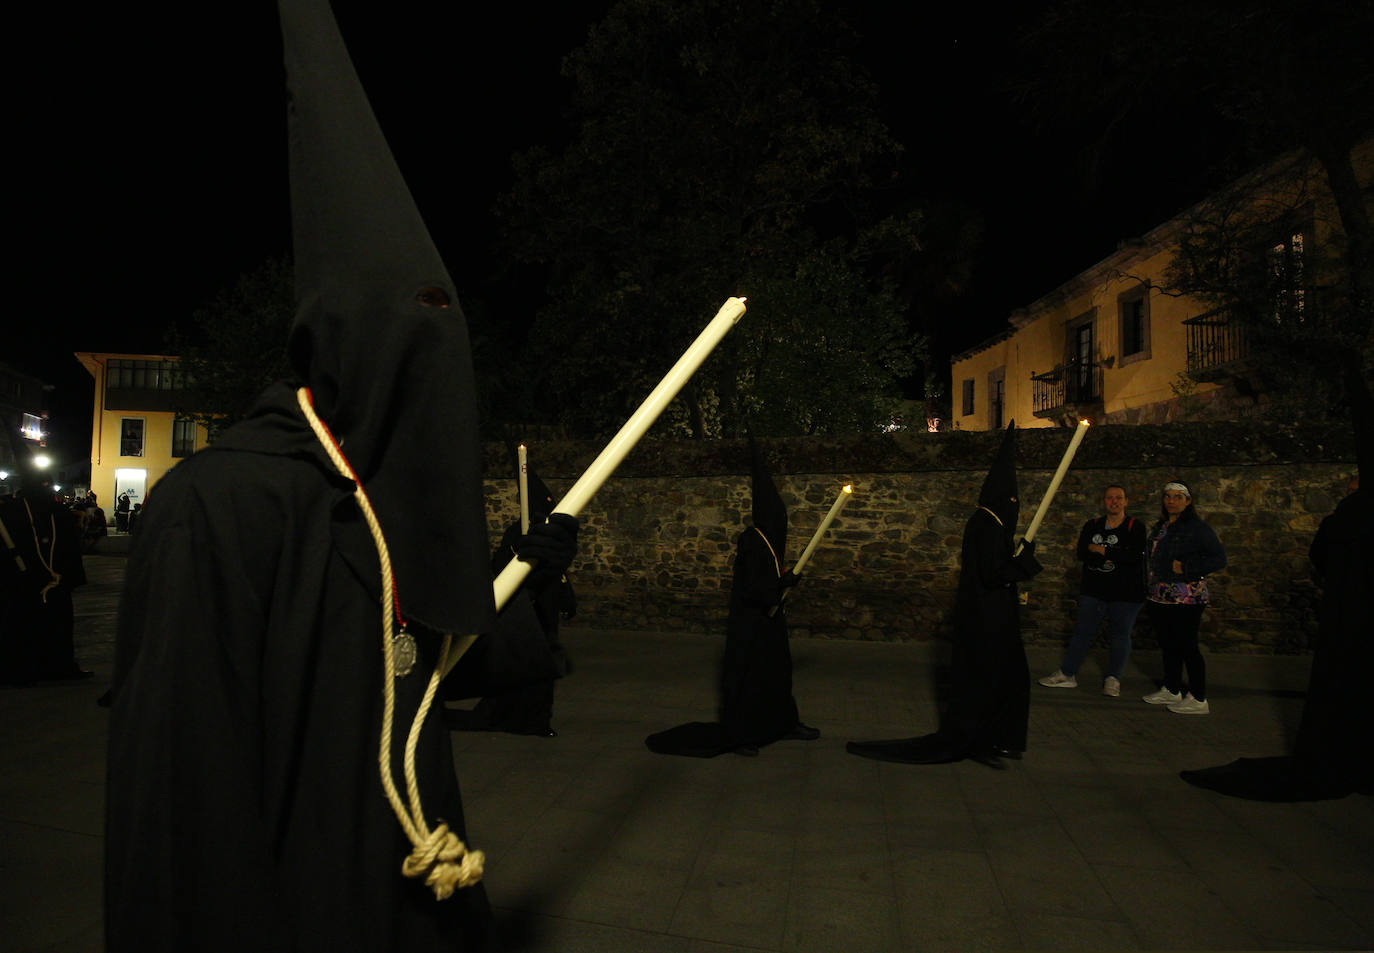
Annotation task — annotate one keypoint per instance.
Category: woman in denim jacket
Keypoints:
(1182, 551)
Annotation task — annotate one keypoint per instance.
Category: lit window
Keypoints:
(131, 437)
(1134, 327)
(183, 437)
(1286, 279)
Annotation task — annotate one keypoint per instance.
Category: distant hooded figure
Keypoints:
(989, 692)
(756, 702)
(1332, 754)
(291, 596)
(36, 615)
(527, 709)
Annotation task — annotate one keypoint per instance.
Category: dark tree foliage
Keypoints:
(236, 346)
(719, 148)
(1292, 84)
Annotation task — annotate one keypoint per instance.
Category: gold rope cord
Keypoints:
(55, 577)
(439, 856)
(776, 563)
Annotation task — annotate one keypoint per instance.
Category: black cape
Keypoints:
(756, 703)
(36, 637)
(1333, 755)
(989, 692)
(244, 806)
(526, 709)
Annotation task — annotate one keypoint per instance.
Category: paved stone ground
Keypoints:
(595, 844)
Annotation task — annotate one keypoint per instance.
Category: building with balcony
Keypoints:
(136, 434)
(1116, 344)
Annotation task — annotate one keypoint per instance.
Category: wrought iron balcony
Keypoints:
(1074, 386)
(1216, 344)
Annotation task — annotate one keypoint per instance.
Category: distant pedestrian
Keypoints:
(1112, 551)
(1183, 551)
(122, 512)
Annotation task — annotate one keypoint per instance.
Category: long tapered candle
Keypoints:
(846, 492)
(1054, 484)
(510, 578)
(524, 478)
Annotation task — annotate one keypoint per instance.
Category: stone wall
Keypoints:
(657, 542)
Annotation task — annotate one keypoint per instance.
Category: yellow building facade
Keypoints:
(136, 435)
(1115, 345)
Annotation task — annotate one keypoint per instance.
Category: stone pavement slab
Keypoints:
(596, 844)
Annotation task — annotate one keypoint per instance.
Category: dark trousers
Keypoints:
(1176, 628)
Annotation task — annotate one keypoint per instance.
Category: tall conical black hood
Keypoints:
(770, 514)
(378, 335)
(999, 492)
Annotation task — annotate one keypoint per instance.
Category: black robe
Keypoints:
(524, 709)
(244, 806)
(989, 691)
(756, 703)
(1332, 756)
(36, 626)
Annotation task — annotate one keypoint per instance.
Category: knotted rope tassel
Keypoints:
(439, 856)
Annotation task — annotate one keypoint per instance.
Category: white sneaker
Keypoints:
(1162, 697)
(1111, 686)
(1189, 706)
(1059, 680)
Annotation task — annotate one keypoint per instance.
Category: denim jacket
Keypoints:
(1193, 543)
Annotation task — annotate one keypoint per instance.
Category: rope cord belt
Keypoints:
(776, 563)
(439, 856)
(54, 577)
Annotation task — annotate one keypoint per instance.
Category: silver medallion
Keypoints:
(402, 652)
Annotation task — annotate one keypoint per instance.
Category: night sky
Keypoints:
(158, 163)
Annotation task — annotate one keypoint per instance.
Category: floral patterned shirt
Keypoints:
(1174, 593)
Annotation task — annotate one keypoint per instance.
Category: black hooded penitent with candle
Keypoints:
(1332, 756)
(989, 681)
(755, 678)
(246, 803)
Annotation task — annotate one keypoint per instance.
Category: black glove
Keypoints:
(788, 579)
(1026, 561)
(551, 546)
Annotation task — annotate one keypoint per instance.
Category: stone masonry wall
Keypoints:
(657, 542)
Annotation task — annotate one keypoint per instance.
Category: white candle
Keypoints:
(1054, 484)
(805, 557)
(846, 492)
(510, 578)
(524, 480)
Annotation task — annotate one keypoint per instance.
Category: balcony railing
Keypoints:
(1070, 385)
(1215, 342)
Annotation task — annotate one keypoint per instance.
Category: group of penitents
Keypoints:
(279, 777)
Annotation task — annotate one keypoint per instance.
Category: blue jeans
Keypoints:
(1120, 620)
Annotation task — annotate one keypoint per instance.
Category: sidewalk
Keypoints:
(594, 844)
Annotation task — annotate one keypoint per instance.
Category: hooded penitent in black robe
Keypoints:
(36, 619)
(1333, 755)
(526, 709)
(989, 691)
(245, 807)
(756, 703)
